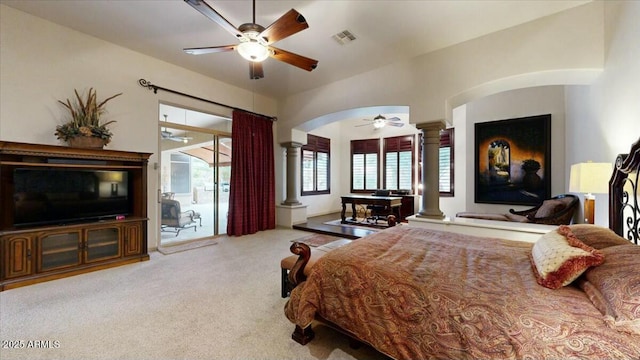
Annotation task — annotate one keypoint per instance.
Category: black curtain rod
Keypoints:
(155, 88)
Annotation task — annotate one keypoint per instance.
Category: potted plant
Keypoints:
(84, 128)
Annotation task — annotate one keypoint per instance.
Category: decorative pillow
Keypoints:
(549, 207)
(597, 237)
(558, 258)
(614, 287)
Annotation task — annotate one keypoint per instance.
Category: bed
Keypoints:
(415, 293)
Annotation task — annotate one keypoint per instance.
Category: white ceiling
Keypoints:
(386, 31)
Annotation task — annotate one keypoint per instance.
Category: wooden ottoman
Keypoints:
(287, 263)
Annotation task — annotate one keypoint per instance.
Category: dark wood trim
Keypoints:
(621, 203)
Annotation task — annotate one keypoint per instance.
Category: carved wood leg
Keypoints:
(343, 216)
(285, 283)
(303, 336)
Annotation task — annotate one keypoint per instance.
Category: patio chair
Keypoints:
(175, 220)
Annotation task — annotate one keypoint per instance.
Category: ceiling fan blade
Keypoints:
(394, 119)
(255, 70)
(209, 49)
(287, 25)
(300, 61)
(165, 134)
(396, 124)
(363, 125)
(209, 12)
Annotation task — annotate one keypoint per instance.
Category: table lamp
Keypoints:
(590, 178)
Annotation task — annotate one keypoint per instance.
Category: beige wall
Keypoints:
(568, 46)
(603, 120)
(42, 62)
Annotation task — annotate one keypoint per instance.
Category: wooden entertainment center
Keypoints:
(40, 252)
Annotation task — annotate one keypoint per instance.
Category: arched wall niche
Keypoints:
(522, 81)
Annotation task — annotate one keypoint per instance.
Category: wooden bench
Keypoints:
(287, 263)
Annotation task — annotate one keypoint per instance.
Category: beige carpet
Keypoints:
(189, 245)
(316, 240)
(216, 302)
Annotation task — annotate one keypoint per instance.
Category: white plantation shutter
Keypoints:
(445, 165)
(446, 162)
(445, 169)
(308, 166)
(364, 164)
(398, 164)
(322, 171)
(316, 156)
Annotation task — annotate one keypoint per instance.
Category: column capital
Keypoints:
(291, 144)
(431, 126)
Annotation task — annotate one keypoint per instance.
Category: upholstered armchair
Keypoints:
(558, 210)
(175, 220)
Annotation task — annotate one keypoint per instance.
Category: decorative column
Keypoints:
(293, 175)
(430, 204)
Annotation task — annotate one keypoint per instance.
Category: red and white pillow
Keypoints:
(558, 258)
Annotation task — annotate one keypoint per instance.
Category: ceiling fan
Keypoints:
(256, 40)
(168, 135)
(380, 121)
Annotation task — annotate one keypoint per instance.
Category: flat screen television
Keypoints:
(63, 196)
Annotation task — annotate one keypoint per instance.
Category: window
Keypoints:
(364, 165)
(315, 165)
(446, 162)
(398, 163)
(445, 165)
(180, 173)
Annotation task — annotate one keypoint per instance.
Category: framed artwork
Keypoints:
(513, 161)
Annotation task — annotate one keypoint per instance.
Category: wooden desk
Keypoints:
(394, 202)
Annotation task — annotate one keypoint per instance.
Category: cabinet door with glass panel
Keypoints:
(102, 243)
(59, 250)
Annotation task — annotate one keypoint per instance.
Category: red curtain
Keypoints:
(252, 196)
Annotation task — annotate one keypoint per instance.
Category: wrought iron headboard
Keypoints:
(624, 203)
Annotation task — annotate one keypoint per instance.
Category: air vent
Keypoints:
(344, 37)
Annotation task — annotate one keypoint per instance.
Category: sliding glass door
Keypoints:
(195, 165)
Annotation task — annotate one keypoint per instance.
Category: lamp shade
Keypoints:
(590, 177)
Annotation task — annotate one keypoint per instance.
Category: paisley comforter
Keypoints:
(414, 293)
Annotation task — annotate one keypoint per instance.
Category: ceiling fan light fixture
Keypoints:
(378, 123)
(252, 50)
